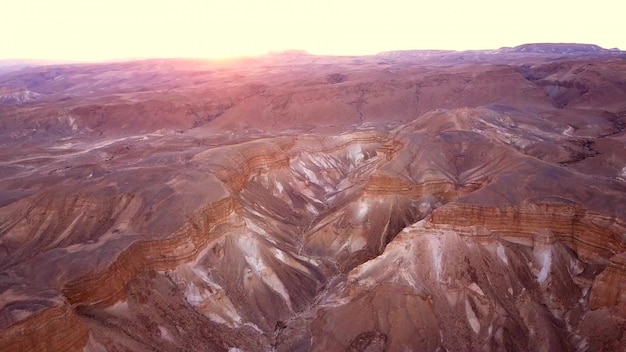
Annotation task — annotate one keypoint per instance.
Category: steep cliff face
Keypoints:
(401, 202)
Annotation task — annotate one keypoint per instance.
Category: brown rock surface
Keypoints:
(404, 201)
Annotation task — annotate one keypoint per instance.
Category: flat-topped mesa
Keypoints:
(556, 48)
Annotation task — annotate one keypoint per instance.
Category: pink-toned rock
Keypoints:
(404, 201)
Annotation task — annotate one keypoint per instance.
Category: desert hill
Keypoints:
(410, 200)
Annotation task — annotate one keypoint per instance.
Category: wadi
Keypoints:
(405, 201)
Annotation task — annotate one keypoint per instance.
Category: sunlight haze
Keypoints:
(126, 29)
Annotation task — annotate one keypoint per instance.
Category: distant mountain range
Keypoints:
(536, 48)
(407, 201)
(557, 48)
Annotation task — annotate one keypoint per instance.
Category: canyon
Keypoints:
(405, 201)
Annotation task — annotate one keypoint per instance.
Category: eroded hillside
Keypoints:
(432, 201)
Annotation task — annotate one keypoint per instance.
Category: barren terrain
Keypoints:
(406, 201)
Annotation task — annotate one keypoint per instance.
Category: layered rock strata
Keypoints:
(405, 201)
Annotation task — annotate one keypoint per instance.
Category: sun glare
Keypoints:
(119, 29)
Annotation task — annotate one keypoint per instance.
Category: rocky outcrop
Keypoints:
(523, 292)
(37, 319)
(410, 201)
(52, 329)
(594, 236)
(154, 255)
(609, 288)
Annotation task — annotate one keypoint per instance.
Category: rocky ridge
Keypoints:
(403, 204)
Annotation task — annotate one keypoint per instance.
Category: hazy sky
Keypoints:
(116, 29)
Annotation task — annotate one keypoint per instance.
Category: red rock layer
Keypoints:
(154, 255)
(594, 236)
(52, 329)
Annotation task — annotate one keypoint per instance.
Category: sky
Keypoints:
(98, 30)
